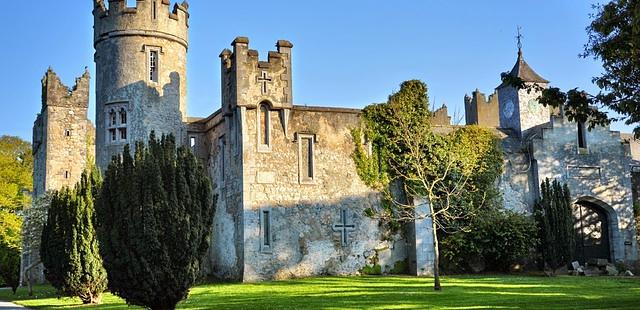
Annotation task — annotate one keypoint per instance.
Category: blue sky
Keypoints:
(347, 53)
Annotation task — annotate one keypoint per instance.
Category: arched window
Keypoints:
(123, 116)
(117, 119)
(264, 127)
(112, 118)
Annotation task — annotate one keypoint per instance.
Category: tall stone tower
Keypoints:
(62, 134)
(141, 75)
(520, 109)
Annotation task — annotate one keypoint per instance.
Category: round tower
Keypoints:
(141, 72)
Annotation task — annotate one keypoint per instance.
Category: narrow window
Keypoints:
(112, 135)
(223, 145)
(123, 134)
(123, 116)
(153, 66)
(112, 118)
(67, 174)
(264, 124)
(67, 133)
(582, 136)
(192, 141)
(306, 167)
(266, 229)
(154, 10)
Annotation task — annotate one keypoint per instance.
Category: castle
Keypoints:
(290, 202)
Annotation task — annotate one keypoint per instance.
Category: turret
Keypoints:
(519, 108)
(248, 81)
(141, 84)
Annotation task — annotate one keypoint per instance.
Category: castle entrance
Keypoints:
(592, 232)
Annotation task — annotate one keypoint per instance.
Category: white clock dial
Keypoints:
(508, 109)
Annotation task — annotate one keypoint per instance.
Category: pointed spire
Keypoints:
(521, 69)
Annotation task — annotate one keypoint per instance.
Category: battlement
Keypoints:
(440, 117)
(151, 18)
(268, 80)
(55, 93)
(482, 111)
(274, 58)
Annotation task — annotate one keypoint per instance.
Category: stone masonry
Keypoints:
(63, 142)
(127, 41)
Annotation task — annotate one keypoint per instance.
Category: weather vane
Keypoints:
(519, 37)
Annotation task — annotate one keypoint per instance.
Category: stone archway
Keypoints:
(595, 223)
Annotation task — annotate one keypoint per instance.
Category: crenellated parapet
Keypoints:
(482, 111)
(55, 93)
(249, 81)
(151, 18)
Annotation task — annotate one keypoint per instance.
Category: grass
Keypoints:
(459, 292)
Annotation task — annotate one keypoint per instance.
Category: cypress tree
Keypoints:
(554, 219)
(155, 214)
(69, 248)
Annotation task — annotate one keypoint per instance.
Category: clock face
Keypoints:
(534, 106)
(508, 109)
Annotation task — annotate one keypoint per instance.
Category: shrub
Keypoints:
(499, 238)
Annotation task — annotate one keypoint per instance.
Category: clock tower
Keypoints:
(520, 109)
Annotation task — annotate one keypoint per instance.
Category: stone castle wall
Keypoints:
(602, 174)
(304, 241)
(482, 112)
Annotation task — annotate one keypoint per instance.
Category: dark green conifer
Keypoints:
(555, 224)
(69, 247)
(155, 214)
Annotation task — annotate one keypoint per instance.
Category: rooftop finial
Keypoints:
(519, 37)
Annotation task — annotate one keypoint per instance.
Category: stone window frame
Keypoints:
(263, 148)
(299, 137)
(149, 50)
(266, 230)
(118, 125)
(67, 133)
(582, 143)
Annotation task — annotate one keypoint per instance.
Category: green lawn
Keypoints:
(459, 292)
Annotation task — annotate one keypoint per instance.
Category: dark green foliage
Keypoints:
(69, 247)
(372, 270)
(500, 238)
(155, 215)
(9, 265)
(554, 219)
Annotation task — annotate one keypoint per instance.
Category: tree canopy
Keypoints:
(454, 171)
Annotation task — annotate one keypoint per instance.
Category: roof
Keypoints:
(522, 70)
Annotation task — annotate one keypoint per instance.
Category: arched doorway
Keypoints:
(592, 226)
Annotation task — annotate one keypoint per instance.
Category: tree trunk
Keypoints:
(436, 253)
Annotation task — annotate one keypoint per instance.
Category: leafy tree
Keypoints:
(453, 174)
(69, 247)
(155, 215)
(555, 224)
(614, 38)
(16, 163)
(10, 249)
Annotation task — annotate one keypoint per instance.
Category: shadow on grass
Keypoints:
(459, 292)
